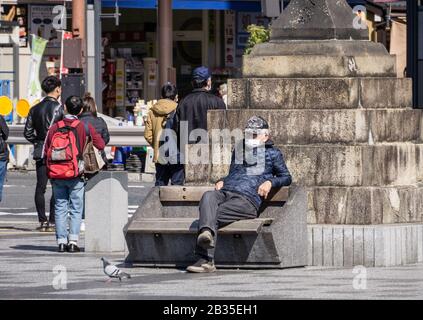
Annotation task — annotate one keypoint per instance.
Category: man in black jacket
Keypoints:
(39, 121)
(192, 110)
(4, 152)
(257, 167)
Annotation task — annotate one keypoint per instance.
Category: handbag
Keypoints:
(93, 161)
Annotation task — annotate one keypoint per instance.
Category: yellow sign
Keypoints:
(6, 106)
(22, 108)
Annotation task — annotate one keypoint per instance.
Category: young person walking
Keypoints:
(160, 117)
(40, 119)
(4, 152)
(63, 154)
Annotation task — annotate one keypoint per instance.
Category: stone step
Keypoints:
(359, 126)
(365, 205)
(335, 165)
(318, 66)
(369, 246)
(319, 93)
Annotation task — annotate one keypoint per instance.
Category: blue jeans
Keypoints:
(3, 170)
(69, 198)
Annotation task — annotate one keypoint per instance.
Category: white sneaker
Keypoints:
(82, 226)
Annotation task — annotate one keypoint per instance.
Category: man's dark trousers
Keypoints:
(40, 191)
(175, 173)
(220, 208)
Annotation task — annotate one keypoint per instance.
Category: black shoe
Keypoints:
(42, 227)
(73, 248)
(63, 247)
(50, 227)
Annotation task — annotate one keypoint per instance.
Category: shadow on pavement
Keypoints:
(35, 248)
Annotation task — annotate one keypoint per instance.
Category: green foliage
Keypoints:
(258, 34)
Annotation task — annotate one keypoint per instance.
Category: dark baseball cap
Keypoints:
(256, 123)
(201, 73)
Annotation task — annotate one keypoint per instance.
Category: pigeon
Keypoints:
(112, 271)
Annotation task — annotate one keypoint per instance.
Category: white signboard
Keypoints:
(41, 20)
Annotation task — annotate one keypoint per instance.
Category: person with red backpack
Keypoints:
(63, 153)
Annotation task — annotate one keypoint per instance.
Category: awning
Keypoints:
(237, 5)
(254, 6)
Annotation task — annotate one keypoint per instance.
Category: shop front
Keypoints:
(211, 33)
(38, 23)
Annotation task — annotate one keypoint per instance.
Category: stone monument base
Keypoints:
(370, 245)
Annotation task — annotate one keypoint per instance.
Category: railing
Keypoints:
(119, 136)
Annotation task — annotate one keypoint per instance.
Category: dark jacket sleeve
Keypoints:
(4, 129)
(281, 175)
(59, 114)
(98, 141)
(105, 131)
(29, 132)
(176, 119)
(47, 142)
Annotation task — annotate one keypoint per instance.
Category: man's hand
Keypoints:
(219, 185)
(264, 189)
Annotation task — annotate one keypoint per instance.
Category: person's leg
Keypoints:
(40, 190)
(162, 175)
(208, 208)
(3, 170)
(209, 205)
(61, 194)
(235, 208)
(76, 197)
(177, 174)
(51, 216)
(83, 212)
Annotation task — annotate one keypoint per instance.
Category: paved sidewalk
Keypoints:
(27, 264)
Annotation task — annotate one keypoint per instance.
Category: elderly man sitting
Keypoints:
(239, 196)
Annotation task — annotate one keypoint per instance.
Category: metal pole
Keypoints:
(218, 40)
(205, 40)
(92, 54)
(165, 47)
(78, 18)
(98, 61)
(412, 46)
(79, 24)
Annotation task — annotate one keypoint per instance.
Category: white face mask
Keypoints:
(252, 143)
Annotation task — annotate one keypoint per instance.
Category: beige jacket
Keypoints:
(155, 121)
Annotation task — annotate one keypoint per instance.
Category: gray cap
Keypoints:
(256, 123)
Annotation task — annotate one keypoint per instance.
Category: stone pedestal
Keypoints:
(106, 212)
(371, 245)
(347, 130)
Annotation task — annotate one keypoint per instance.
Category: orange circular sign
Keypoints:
(6, 106)
(22, 108)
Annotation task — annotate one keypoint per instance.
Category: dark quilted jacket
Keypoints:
(245, 178)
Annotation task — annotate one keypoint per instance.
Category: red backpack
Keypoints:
(64, 155)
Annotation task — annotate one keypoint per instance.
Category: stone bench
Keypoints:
(163, 231)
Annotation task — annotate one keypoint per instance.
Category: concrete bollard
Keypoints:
(106, 212)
